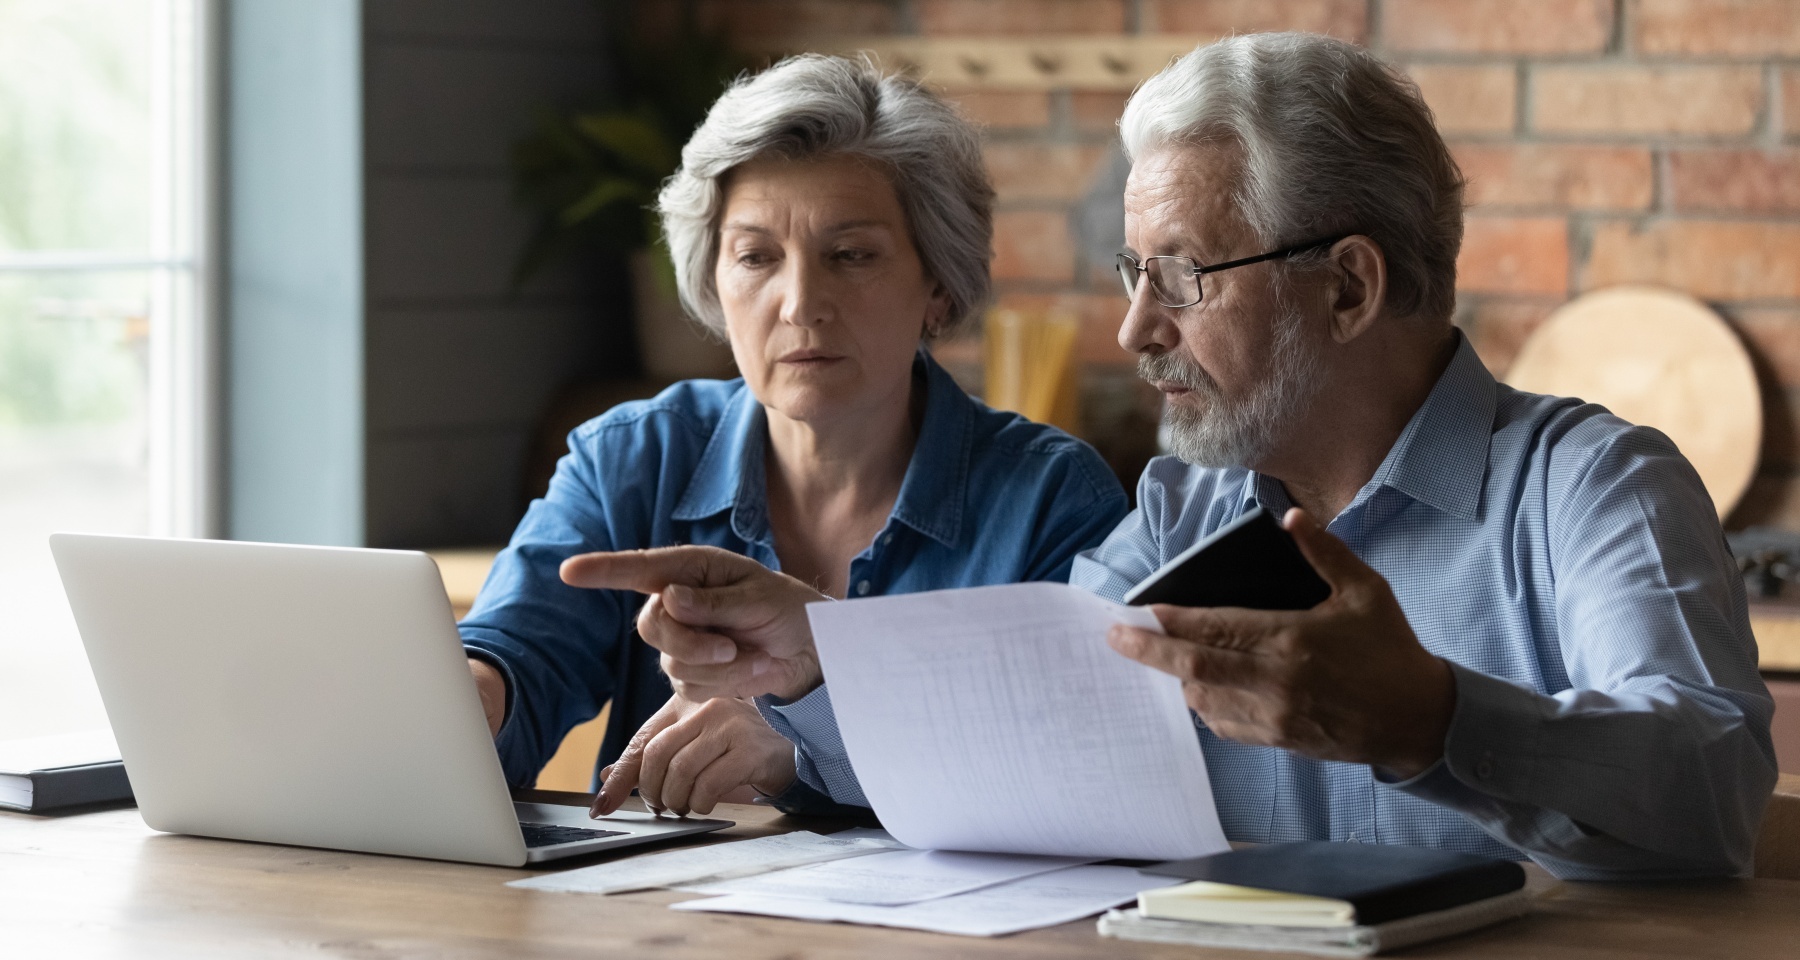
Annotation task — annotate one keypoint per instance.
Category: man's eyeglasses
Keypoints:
(1175, 281)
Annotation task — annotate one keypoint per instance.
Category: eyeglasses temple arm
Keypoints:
(1283, 252)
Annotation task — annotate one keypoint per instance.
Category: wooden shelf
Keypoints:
(1016, 63)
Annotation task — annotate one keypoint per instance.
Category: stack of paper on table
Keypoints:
(1041, 900)
(864, 876)
(972, 894)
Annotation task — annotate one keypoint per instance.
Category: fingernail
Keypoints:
(759, 666)
(724, 653)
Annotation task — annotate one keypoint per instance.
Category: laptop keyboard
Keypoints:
(550, 834)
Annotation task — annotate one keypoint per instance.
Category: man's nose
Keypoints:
(1148, 326)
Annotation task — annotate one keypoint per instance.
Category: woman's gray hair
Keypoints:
(812, 106)
(1332, 141)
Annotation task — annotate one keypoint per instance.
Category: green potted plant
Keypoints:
(591, 176)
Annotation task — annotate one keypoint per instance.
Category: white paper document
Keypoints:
(891, 878)
(997, 719)
(717, 861)
(1041, 901)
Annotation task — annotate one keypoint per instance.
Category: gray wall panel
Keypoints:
(294, 440)
(476, 366)
(459, 369)
(457, 107)
(549, 23)
(448, 239)
(446, 488)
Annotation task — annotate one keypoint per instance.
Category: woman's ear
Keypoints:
(937, 311)
(1358, 287)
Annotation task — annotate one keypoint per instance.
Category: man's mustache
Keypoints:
(1171, 367)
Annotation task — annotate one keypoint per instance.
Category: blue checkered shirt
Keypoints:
(1609, 722)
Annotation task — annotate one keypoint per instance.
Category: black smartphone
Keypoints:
(1249, 562)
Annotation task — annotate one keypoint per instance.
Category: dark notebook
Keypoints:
(70, 770)
(1381, 882)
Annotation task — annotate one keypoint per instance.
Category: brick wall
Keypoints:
(1606, 141)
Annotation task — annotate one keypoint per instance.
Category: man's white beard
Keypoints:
(1219, 432)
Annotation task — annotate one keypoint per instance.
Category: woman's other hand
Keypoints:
(492, 687)
(727, 626)
(689, 756)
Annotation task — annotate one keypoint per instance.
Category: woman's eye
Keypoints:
(853, 255)
(753, 258)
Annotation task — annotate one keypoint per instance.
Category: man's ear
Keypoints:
(1358, 287)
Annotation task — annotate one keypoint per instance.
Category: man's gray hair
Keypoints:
(814, 106)
(1332, 141)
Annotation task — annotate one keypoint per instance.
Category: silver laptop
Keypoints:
(314, 696)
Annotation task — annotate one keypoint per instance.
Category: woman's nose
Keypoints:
(805, 300)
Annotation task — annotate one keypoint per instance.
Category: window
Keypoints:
(105, 378)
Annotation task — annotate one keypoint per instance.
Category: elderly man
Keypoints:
(1536, 641)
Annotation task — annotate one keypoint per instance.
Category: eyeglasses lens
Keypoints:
(1128, 273)
(1173, 281)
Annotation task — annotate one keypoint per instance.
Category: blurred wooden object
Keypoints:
(1662, 359)
(1778, 843)
(1777, 629)
(1784, 727)
(1029, 361)
(464, 571)
(572, 768)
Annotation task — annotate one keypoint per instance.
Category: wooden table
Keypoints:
(103, 884)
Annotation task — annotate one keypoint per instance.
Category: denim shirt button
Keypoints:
(862, 588)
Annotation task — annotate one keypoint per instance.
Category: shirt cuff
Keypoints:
(802, 799)
(811, 725)
(506, 674)
(1490, 749)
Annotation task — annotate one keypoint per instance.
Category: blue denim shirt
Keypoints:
(989, 497)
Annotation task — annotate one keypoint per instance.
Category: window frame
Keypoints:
(183, 405)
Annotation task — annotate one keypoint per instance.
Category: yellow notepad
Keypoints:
(1207, 902)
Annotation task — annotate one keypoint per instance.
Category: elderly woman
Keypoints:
(828, 221)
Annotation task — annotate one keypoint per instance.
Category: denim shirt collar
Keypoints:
(1440, 458)
(731, 476)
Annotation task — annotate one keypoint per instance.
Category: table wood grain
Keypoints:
(102, 884)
